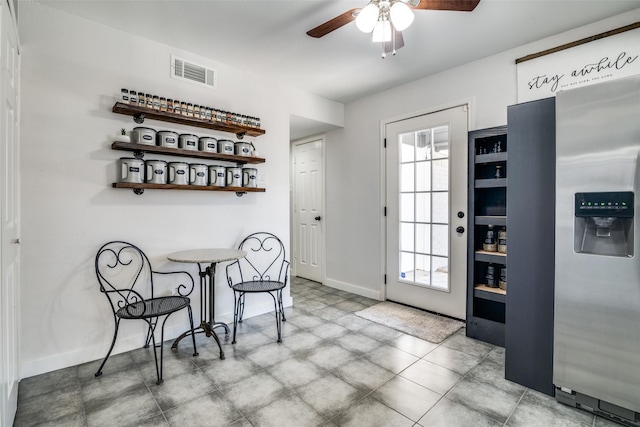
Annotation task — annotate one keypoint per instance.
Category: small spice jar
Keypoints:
(183, 108)
(156, 102)
(142, 99)
(124, 96)
(163, 104)
(133, 97)
(189, 109)
(169, 105)
(207, 113)
(149, 101)
(196, 111)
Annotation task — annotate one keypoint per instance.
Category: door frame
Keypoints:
(323, 198)
(9, 403)
(469, 103)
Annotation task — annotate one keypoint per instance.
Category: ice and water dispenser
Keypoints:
(604, 223)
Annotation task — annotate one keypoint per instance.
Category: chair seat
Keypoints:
(153, 307)
(258, 286)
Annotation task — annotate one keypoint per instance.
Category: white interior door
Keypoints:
(426, 174)
(308, 206)
(9, 227)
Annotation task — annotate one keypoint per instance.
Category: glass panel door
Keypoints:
(426, 185)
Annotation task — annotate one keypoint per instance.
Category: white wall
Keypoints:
(354, 220)
(71, 70)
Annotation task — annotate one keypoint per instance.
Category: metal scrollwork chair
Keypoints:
(263, 270)
(127, 280)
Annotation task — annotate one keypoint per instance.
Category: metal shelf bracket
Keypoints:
(139, 118)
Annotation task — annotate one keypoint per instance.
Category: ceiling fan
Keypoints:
(388, 18)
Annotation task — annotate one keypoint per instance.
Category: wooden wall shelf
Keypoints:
(139, 188)
(491, 294)
(140, 149)
(141, 113)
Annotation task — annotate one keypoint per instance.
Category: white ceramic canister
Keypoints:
(198, 174)
(178, 173)
(131, 170)
(208, 144)
(141, 135)
(234, 177)
(242, 149)
(155, 171)
(225, 146)
(166, 138)
(188, 141)
(217, 176)
(250, 177)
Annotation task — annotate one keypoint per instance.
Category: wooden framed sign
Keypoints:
(598, 58)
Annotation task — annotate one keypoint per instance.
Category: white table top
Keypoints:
(209, 255)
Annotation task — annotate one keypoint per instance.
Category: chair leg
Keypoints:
(155, 349)
(236, 311)
(278, 313)
(241, 308)
(193, 334)
(152, 327)
(113, 343)
(284, 319)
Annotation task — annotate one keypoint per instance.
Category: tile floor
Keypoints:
(332, 369)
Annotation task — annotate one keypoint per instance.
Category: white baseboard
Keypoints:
(354, 289)
(31, 368)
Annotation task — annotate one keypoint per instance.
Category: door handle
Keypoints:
(318, 218)
(460, 229)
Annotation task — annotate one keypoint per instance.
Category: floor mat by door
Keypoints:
(422, 324)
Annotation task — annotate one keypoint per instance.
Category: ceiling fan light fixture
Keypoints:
(382, 32)
(368, 17)
(401, 15)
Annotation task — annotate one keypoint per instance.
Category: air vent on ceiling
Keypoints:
(182, 69)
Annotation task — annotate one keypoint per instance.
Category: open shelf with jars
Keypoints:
(487, 258)
(139, 113)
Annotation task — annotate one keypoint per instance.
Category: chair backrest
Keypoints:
(265, 259)
(124, 273)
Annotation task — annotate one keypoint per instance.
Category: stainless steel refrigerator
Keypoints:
(596, 361)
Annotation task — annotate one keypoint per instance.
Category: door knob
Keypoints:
(318, 218)
(460, 229)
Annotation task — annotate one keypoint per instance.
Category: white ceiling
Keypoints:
(269, 36)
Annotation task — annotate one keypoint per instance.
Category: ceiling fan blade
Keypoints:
(390, 47)
(333, 24)
(458, 5)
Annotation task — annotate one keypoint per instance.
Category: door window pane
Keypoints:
(407, 237)
(406, 177)
(406, 266)
(423, 176)
(440, 240)
(440, 175)
(440, 274)
(423, 238)
(423, 273)
(440, 207)
(406, 148)
(406, 207)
